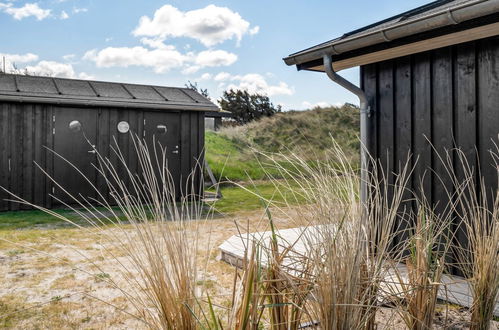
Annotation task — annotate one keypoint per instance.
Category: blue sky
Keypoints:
(219, 44)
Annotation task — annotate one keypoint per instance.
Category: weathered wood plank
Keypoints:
(49, 155)
(442, 118)
(16, 156)
(198, 168)
(422, 124)
(369, 85)
(386, 117)
(39, 150)
(386, 123)
(488, 113)
(28, 153)
(442, 132)
(464, 121)
(403, 138)
(103, 146)
(185, 151)
(4, 155)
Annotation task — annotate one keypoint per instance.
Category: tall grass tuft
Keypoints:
(274, 288)
(478, 210)
(147, 238)
(428, 246)
(346, 242)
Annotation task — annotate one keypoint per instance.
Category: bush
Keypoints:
(247, 107)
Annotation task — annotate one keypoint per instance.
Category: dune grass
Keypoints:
(231, 151)
(235, 199)
(336, 283)
(231, 159)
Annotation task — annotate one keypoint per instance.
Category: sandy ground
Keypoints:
(61, 279)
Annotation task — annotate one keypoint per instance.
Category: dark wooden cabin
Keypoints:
(213, 120)
(42, 113)
(431, 77)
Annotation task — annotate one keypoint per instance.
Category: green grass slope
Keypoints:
(308, 133)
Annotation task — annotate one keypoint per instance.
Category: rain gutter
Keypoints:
(450, 16)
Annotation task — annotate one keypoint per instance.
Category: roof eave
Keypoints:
(108, 103)
(451, 16)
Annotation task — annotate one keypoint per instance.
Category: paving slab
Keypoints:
(454, 289)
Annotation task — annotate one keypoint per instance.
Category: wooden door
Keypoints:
(75, 134)
(162, 133)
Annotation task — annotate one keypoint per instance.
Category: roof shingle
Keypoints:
(76, 92)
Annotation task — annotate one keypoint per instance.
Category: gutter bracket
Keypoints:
(451, 17)
(369, 112)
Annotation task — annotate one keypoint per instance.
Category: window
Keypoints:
(123, 127)
(75, 126)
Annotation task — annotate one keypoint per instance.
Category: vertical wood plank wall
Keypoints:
(447, 98)
(26, 129)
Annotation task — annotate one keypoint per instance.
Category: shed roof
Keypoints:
(221, 113)
(433, 16)
(21, 88)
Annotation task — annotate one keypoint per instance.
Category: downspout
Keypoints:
(364, 113)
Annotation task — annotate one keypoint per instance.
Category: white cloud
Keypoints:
(161, 60)
(79, 10)
(253, 83)
(222, 76)
(321, 104)
(210, 25)
(52, 69)
(254, 30)
(12, 60)
(20, 58)
(191, 69)
(69, 57)
(205, 76)
(155, 43)
(29, 9)
(85, 76)
(42, 68)
(64, 15)
(213, 58)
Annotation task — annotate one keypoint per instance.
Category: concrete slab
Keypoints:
(454, 289)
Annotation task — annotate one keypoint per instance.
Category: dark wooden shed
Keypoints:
(62, 113)
(213, 120)
(430, 76)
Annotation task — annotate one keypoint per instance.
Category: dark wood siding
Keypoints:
(25, 131)
(431, 102)
(4, 155)
(191, 149)
(26, 138)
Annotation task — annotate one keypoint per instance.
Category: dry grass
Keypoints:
(428, 247)
(346, 251)
(157, 259)
(159, 263)
(478, 210)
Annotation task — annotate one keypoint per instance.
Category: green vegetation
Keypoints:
(237, 199)
(231, 151)
(32, 218)
(229, 158)
(246, 107)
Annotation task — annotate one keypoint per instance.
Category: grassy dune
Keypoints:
(231, 151)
